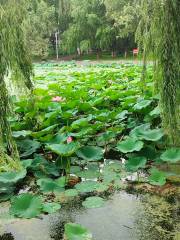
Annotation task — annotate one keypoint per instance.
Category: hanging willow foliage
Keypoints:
(13, 57)
(161, 21)
(169, 58)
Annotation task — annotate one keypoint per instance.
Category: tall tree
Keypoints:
(13, 57)
(162, 26)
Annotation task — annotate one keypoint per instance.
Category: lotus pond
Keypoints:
(87, 133)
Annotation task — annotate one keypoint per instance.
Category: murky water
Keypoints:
(124, 217)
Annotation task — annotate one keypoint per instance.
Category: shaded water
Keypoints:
(124, 217)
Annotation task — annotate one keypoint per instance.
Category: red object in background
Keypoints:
(135, 51)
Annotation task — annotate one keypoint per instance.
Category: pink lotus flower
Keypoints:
(69, 139)
(57, 99)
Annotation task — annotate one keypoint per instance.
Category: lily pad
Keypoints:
(71, 193)
(51, 207)
(23, 133)
(171, 155)
(28, 147)
(90, 153)
(49, 185)
(138, 131)
(75, 231)
(134, 163)
(12, 177)
(157, 178)
(26, 206)
(93, 202)
(144, 132)
(88, 174)
(27, 163)
(130, 145)
(44, 131)
(85, 187)
(122, 115)
(64, 149)
(83, 122)
(142, 104)
(153, 135)
(155, 112)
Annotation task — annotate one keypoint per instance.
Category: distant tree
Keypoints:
(87, 17)
(125, 17)
(39, 26)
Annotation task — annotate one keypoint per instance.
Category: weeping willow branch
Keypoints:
(169, 61)
(158, 32)
(13, 57)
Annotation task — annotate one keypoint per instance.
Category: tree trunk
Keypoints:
(5, 129)
(143, 75)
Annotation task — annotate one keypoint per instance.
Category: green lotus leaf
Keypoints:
(71, 193)
(61, 181)
(142, 104)
(87, 186)
(26, 206)
(144, 132)
(83, 122)
(155, 112)
(113, 166)
(171, 155)
(135, 163)
(105, 137)
(153, 135)
(75, 231)
(88, 174)
(51, 207)
(27, 163)
(75, 169)
(23, 133)
(28, 147)
(138, 131)
(109, 177)
(49, 185)
(84, 106)
(90, 153)
(101, 187)
(84, 132)
(44, 131)
(93, 202)
(12, 177)
(130, 145)
(59, 138)
(122, 115)
(64, 149)
(157, 178)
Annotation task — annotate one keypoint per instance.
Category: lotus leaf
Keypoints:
(134, 163)
(93, 202)
(26, 206)
(76, 232)
(90, 153)
(157, 177)
(142, 104)
(130, 145)
(64, 149)
(171, 155)
(51, 207)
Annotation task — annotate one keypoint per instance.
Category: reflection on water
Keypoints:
(124, 216)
